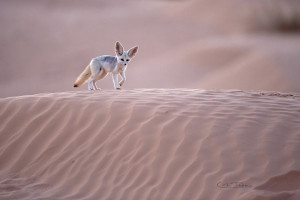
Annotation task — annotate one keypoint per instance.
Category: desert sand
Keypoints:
(210, 109)
(150, 144)
(203, 44)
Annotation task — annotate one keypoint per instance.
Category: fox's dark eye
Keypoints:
(127, 60)
(122, 59)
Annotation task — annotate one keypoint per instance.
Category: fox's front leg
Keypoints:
(123, 78)
(115, 80)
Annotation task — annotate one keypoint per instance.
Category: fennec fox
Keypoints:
(100, 66)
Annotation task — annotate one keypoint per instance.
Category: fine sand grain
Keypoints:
(150, 144)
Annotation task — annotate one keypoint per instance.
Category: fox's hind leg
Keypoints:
(100, 75)
(95, 86)
(90, 84)
(96, 71)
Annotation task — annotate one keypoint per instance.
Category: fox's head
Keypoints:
(124, 57)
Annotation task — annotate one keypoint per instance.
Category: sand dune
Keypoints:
(150, 144)
(177, 144)
(188, 44)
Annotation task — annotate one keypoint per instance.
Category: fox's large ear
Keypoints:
(132, 51)
(119, 49)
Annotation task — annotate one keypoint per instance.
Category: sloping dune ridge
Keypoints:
(150, 144)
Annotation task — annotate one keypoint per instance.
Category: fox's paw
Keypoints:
(118, 88)
(121, 83)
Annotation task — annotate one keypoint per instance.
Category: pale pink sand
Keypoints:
(150, 144)
(44, 45)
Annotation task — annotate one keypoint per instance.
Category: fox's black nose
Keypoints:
(125, 64)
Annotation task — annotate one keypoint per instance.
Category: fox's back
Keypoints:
(107, 60)
(107, 63)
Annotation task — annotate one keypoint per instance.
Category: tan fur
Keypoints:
(83, 77)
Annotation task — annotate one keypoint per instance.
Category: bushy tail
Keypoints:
(83, 77)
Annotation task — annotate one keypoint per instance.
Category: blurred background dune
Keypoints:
(224, 44)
